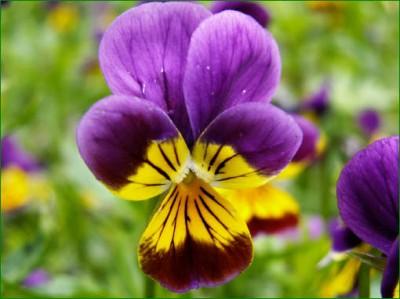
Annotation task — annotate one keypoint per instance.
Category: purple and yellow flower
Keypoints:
(317, 104)
(253, 9)
(368, 201)
(189, 112)
(369, 122)
(18, 168)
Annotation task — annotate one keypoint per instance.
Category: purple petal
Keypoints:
(13, 155)
(308, 147)
(231, 60)
(368, 193)
(114, 135)
(319, 101)
(342, 237)
(391, 274)
(265, 136)
(143, 53)
(36, 278)
(255, 10)
(369, 121)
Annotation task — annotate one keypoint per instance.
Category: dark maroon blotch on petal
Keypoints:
(195, 264)
(260, 226)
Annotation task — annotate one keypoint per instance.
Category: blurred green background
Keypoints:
(85, 238)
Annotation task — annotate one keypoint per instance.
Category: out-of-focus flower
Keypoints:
(315, 227)
(311, 147)
(369, 121)
(326, 6)
(13, 155)
(5, 3)
(255, 10)
(103, 15)
(18, 173)
(181, 120)
(368, 201)
(63, 17)
(36, 278)
(317, 104)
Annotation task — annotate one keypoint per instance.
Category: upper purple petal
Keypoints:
(369, 121)
(143, 53)
(391, 273)
(255, 10)
(231, 60)
(264, 135)
(308, 147)
(368, 193)
(13, 154)
(113, 136)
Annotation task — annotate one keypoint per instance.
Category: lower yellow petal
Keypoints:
(343, 281)
(266, 209)
(194, 239)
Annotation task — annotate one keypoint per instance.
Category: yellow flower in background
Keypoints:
(63, 17)
(21, 178)
(14, 189)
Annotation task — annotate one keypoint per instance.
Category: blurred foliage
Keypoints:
(84, 237)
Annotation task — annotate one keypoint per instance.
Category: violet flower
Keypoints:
(36, 278)
(189, 112)
(255, 10)
(369, 121)
(13, 155)
(318, 103)
(17, 170)
(368, 201)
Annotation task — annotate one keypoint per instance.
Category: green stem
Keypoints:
(324, 188)
(364, 281)
(149, 288)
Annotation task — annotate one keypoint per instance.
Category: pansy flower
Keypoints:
(368, 201)
(189, 112)
(19, 172)
(253, 9)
